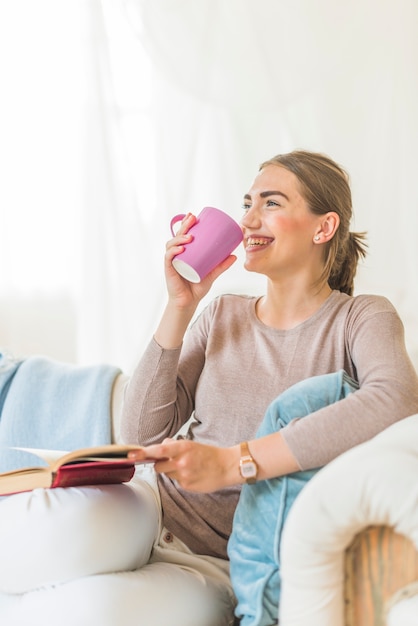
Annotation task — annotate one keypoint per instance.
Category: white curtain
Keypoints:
(234, 82)
(41, 62)
(117, 114)
(122, 242)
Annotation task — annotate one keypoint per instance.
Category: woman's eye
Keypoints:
(272, 203)
(246, 207)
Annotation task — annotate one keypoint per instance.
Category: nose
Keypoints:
(251, 218)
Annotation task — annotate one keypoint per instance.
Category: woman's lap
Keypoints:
(156, 595)
(56, 535)
(81, 555)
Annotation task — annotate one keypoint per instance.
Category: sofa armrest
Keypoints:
(378, 564)
(373, 484)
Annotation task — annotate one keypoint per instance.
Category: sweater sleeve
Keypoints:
(388, 390)
(160, 396)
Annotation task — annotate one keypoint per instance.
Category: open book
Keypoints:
(108, 464)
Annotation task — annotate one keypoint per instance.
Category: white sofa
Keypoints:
(93, 539)
(374, 485)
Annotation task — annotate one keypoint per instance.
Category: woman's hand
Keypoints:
(180, 291)
(183, 296)
(195, 466)
(200, 467)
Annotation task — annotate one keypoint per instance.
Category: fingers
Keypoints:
(168, 457)
(161, 451)
(176, 245)
(186, 223)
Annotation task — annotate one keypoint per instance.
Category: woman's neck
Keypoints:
(285, 308)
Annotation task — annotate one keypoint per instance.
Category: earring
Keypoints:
(317, 238)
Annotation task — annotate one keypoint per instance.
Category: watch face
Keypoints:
(248, 469)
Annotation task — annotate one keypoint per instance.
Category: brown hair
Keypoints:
(325, 186)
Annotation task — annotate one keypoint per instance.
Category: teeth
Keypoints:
(255, 242)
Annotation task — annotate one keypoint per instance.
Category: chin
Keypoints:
(251, 267)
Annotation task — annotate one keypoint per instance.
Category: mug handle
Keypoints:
(174, 220)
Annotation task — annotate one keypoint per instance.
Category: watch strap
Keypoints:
(246, 457)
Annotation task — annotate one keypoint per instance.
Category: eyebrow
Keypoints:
(266, 194)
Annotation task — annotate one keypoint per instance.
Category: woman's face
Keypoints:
(277, 225)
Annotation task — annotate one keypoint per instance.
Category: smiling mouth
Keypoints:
(253, 243)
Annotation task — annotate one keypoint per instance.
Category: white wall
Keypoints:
(38, 325)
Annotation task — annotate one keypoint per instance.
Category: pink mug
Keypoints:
(215, 237)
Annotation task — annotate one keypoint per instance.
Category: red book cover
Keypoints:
(93, 473)
(97, 465)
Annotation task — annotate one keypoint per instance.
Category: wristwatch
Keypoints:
(247, 466)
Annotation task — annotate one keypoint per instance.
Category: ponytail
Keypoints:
(343, 268)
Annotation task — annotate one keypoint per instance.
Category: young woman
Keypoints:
(243, 352)
(276, 386)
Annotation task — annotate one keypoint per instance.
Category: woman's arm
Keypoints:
(200, 467)
(157, 401)
(388, 388)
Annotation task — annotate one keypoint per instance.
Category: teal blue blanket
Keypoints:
(48, 404)
(254, 546)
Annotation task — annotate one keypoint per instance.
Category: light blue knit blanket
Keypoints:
(49, 404)
(254, 546)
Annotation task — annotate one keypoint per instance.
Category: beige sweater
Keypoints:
(231, 366)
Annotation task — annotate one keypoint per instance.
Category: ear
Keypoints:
(327, 227)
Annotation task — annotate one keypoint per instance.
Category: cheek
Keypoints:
(296, 226)
(285, 224)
